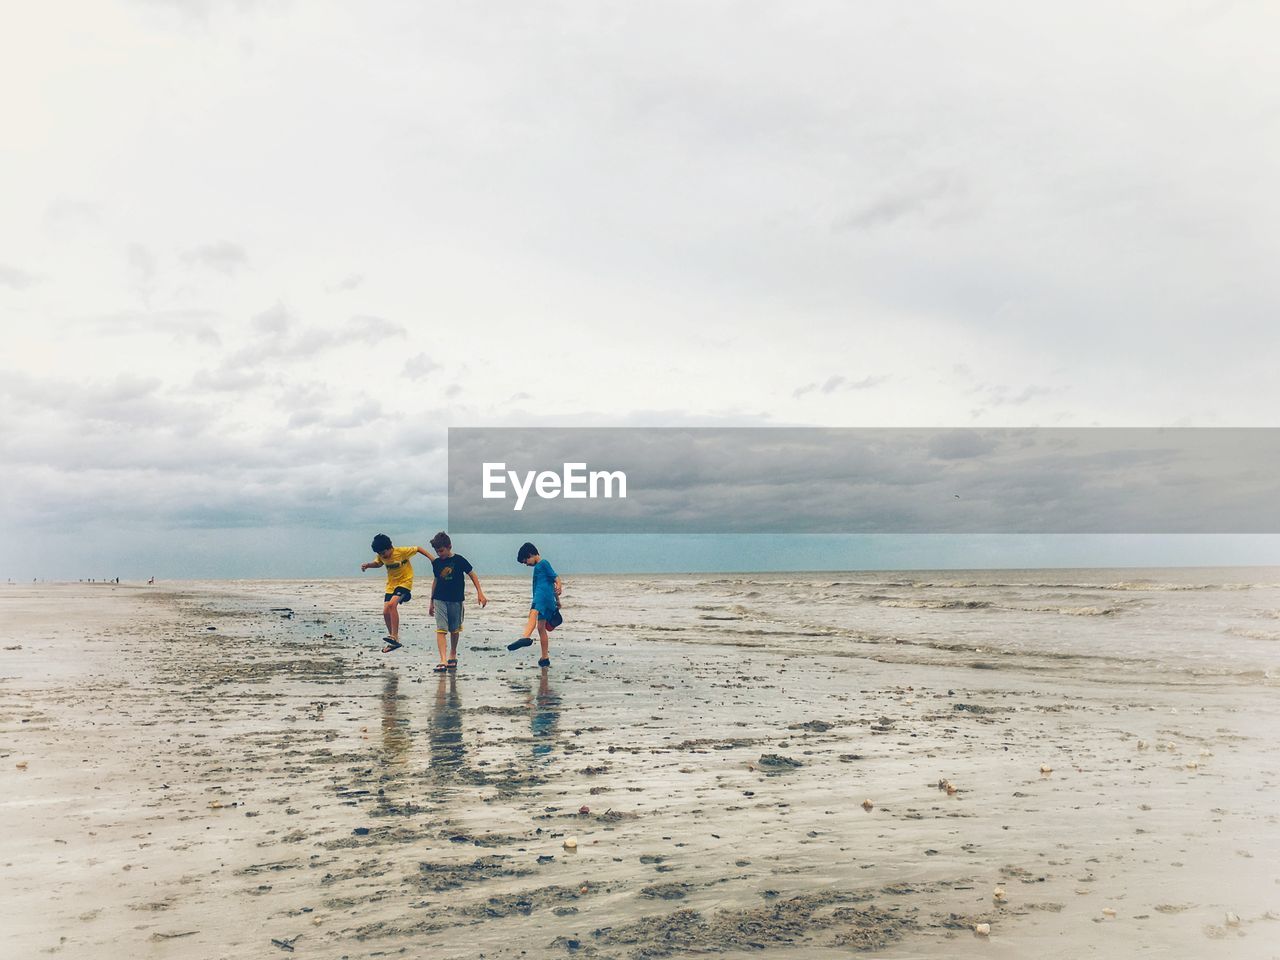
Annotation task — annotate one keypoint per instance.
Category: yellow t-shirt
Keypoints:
(399, 569)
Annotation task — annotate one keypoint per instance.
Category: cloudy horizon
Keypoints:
(258, 257)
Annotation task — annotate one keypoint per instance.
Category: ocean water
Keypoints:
(1198, 626)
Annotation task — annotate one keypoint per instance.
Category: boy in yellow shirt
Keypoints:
(399, 583)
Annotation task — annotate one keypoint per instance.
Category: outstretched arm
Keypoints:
(426, 553)
(370, 566)
(480, 597)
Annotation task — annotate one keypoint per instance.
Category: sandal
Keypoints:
(452, 664)
(391, 645)
(544, 662)
(439, 668)
(522, 642)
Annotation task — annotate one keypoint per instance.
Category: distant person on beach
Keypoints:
(399, 583)
(448, 590)
(544, 614)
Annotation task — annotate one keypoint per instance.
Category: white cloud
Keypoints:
(651, 213)
(223, 257)
(419, 365)
(350, 282)
(15, 279)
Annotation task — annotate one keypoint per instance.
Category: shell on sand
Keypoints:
(1045, 768)
(867, 804)
(982, 929)
(571, 844)
(1109, 913)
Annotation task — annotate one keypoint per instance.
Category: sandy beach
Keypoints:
(235, 770)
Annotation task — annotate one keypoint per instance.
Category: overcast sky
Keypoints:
(255, 257)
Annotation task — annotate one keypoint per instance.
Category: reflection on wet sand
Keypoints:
(448, 749)
(546, 717)
(394, 760)
(395, 728)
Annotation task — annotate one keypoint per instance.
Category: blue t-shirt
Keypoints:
(544, 581)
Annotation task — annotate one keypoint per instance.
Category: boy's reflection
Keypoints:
(546, 717)
(395, 729)
(448, 751)
(395, 749)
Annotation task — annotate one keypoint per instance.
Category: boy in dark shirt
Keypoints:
(448, 590)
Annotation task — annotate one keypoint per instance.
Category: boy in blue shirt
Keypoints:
(545, 610)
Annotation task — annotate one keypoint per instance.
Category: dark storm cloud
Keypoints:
(155, 458)
(60, 415)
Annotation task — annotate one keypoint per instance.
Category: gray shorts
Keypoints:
(448, 616)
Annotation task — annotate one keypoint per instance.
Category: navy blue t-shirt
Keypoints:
(451, 577)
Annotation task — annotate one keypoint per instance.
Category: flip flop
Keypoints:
(439, 668)
(522, 642)
(452, 664)
(392, 645)
(544, 662)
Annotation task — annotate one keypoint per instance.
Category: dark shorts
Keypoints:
(404, 595)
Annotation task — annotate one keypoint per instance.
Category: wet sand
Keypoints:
(195, 774)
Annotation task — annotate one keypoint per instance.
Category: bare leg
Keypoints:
(391, 615)
(526, 638)
(453, 644)
(543, 639)
(440, 643)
